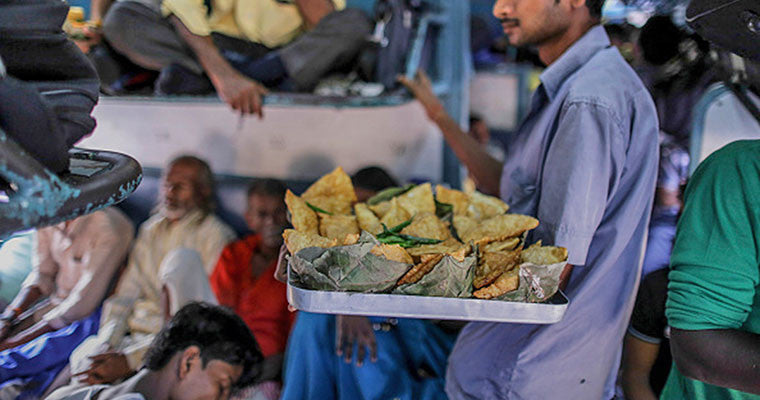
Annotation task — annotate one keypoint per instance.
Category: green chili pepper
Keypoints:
(317, 209)
(389, 193)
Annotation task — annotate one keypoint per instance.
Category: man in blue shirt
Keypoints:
(584, 162)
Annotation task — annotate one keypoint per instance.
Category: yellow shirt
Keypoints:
(268, 22)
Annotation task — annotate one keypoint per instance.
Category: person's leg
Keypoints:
(390, 377)
(310, 359)
(150, 41)
(41, 359)
(335, 41)
(146, 38)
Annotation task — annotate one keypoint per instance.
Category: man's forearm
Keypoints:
(485, 169)
(98, 9)
(312, 11)
(216, 67)
(636, 386)
(29, 334)
(722, 357)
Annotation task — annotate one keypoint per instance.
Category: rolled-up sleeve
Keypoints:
(714, 265)
(192, 13)
(45, 269)
(583, 163)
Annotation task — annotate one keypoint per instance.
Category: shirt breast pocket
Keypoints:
(522, 193)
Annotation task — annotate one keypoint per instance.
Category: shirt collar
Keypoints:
(192, 217)
(572, 59)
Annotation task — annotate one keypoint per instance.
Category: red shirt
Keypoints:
(260, 301)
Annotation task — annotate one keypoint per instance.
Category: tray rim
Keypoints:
(446, 308)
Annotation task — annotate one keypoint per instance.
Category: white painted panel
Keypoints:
(726, 121)
(495, 97)
(293, 142)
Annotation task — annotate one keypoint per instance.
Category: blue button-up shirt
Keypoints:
(585, 164)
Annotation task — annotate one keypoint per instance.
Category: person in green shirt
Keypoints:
(713, 305)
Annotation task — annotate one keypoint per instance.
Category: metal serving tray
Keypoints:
(426, 307)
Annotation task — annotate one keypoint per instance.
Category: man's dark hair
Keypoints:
(217, 331)
(373, 178)
(659, 39)
(205, 179)
(267, 187)
(595, 8)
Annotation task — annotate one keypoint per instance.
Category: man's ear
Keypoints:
(577, 3)
(190, 356)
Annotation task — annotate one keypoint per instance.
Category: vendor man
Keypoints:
(584, 162)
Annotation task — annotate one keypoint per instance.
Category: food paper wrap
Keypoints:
(346, 268)
(449, 278)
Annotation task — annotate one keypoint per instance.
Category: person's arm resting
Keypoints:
(638, 358)
(241, 93)
(721, 357)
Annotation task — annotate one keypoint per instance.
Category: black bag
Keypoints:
(49, 87)
(396, 22)
(732, 25)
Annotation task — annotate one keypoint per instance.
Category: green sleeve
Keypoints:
(714, 264)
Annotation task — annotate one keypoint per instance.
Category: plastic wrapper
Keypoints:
(538, 283)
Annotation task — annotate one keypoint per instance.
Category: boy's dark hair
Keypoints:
(373, 178)
(595, 8)
(217, 331)
(267, 187)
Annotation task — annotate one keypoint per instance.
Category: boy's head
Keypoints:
(370, 180)
(209, 348)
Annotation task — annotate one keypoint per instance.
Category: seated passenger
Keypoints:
(183, 281)
(59, 303)
(16, 254)
(204, 351)
(184, 221)
(236, 46)
(244, 276)
(327, 354)
(244, 281)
